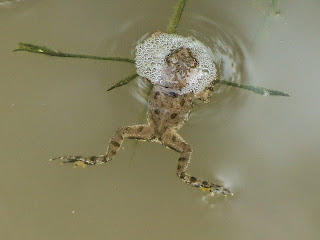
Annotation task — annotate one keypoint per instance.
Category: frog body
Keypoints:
(168, 110)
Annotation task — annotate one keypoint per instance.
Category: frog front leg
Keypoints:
(205, 95)
(138, 132)
(175, 142)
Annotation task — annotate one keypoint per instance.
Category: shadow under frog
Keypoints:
(167, 112)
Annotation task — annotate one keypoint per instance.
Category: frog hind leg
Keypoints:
(138, 132)
(175, 142)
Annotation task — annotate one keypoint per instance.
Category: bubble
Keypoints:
(205, 71)
(154, 50)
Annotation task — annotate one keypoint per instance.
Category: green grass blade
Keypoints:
(124, 81)
(28, 47)
(175, 18)
(259, 90)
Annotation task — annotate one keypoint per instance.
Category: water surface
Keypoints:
(264, 148)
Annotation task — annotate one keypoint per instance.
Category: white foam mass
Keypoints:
(152, 53)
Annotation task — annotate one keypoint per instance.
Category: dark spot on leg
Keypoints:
(113, 152)
(114, 143)
(173, 94)
(182, 174)
(193, 179)
(182, 102)
(128, 128)
(140, 128)
(157, 111)
(156, 95)
(182, 159)
(173, 115)
(174, 138)
(205, 184)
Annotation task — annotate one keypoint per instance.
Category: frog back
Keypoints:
(167, 109)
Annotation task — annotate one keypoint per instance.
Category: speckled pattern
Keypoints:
(152, 55)
(167, 112)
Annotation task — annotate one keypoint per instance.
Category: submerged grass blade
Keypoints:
(124, 81)
(28, 47)
(259, 90)
(175, 18)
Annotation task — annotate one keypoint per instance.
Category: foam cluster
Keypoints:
(151, 57)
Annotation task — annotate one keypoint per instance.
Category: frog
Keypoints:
(167, 111)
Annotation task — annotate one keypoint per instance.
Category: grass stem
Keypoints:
(259, 90)
(124, 81)
(27, 47)
(175, 18)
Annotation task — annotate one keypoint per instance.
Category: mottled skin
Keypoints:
(167, 112)
(176, 71)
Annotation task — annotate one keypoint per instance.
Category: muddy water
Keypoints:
(265, 149)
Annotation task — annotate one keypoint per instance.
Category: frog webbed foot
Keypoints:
(217, 189)
(78, 160)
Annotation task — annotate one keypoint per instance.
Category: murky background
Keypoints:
(266, 149)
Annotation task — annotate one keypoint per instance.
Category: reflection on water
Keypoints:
(228, 50)
(230, 56)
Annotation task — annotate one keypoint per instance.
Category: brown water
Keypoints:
(266, 149)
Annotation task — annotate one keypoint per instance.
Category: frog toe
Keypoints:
(221, 190)
(80, 160)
